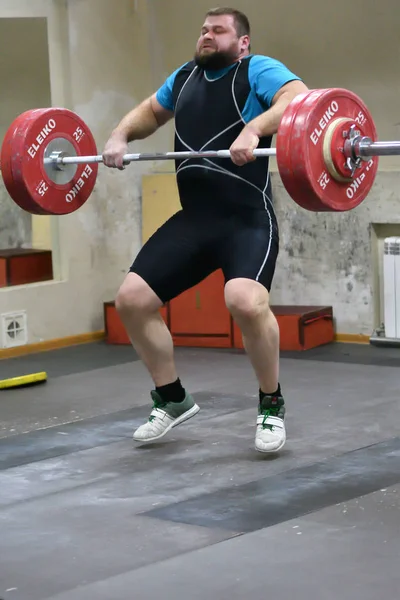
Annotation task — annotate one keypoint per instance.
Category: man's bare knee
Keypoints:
(136, 297)
(246, 299)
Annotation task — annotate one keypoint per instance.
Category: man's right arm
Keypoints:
(140, 123)
(143, 120)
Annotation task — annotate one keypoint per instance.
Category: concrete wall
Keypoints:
(104, 57)
(335, 259)
(100, 68)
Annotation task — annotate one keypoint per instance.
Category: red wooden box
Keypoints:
(19, 266)
(300, 327)
(199, 317)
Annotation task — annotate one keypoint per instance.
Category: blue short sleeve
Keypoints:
(266, 76)
(164, 93)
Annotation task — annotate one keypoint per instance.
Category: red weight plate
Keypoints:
(12, 187)
(293, 183)
(283, 148)
(318, 190)
(301, 194)
(58, 127)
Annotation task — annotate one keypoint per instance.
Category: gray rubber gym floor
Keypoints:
(86, 514)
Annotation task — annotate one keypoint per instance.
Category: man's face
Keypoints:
(219, 45)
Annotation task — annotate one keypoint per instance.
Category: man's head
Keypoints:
(224, 38)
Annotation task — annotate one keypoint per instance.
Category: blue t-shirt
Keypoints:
(266, 76)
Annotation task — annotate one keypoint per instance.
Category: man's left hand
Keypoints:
(242, 148)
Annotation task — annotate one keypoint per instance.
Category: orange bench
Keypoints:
(300, 327)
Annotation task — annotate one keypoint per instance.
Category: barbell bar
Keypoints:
(363, 149)
(326, 148)
(55, 159)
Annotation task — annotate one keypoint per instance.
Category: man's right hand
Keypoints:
(114, 150)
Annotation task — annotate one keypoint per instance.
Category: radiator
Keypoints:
(391, 287)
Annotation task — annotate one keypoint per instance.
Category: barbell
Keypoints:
(326, 150)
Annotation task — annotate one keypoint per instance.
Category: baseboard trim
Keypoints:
(352, 338)
(56, 344)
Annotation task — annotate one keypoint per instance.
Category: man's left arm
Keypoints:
(265, 124)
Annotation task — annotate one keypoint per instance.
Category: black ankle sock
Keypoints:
(277, 393)
(172, 392)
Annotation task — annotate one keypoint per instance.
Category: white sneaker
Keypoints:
(164, 417)
(270, 432)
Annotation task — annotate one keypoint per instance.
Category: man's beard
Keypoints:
(215, 60)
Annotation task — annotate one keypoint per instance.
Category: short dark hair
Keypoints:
(242, 23)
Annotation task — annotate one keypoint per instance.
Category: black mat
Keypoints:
(61, 440)
(359, 354)
(292, 494)
(68, 361)
(72, 437)
(98, 355)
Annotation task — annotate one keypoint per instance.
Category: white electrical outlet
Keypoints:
(14, 329)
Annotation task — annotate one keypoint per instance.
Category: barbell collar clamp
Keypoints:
(357, 147)
(56, 159)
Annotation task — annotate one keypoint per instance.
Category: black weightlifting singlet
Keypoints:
(208, 116)
(227, 221)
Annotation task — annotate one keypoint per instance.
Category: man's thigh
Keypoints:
(175, 257)
(251, 251)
